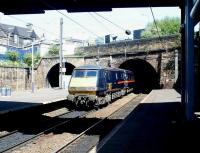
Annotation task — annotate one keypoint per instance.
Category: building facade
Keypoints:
(15, 37)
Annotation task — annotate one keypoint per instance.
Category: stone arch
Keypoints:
(53, 74)
(146, 77)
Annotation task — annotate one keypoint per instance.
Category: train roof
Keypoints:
(97, 67)
(89, 67)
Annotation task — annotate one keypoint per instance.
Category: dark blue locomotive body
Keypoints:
(92, 85)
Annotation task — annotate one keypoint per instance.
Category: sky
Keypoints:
(94, 26)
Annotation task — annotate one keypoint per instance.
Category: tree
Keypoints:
(166, 26)
(12, 55)
(54, 50)
(28, 58)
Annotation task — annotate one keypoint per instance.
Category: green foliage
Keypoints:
(54, 50)
(170, 66)
(166, 26)
(28, 58)
(36, 58)
(12, 55)
(10, 63)
(14, 59)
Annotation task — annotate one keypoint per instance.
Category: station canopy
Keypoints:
(39, 6)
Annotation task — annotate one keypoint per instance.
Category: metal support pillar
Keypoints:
(32, 69)
(182, 30)
(176, 65)
(189, 62)
(125, 50)
(98, 58)
(61, 55)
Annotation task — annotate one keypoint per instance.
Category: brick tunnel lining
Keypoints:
(146, 77)
(53, 74)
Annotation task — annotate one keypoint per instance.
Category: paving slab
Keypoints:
(25, 99)
(152, 127)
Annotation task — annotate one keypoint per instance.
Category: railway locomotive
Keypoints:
(93, 86)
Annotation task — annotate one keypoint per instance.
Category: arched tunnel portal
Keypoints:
(146, 77)
(53, 74)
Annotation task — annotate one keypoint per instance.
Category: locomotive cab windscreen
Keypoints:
(83, 80)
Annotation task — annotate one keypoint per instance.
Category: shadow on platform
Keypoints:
(9, 106)
(155, 128)
(149, 128)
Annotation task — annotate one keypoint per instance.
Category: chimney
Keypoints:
(29, 26)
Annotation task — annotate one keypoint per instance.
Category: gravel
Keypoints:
(2, 133)
(56, 112)
(112, 107)
(95, 137)
(53, 141)
(48, 143)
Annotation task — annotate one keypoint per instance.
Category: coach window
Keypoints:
(121, 76)
(125, 76)
(107, 76)
(116, 76)
(129, 77)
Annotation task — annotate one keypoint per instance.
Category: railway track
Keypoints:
(6, 133)
(10, 120)
(78, 144)
(16, 139)
(74, 121)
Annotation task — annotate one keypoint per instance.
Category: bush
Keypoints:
(12, 55)
(28, 58)
(54, 50)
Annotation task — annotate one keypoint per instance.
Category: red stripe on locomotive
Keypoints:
(125, 81)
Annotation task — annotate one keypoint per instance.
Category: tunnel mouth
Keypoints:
(53, 74)
(146, 77)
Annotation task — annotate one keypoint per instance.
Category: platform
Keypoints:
(151, 127)
(26, 99)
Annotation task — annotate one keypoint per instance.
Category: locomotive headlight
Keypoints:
(83, 88)
(72, 88)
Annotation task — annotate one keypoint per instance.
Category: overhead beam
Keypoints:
(39, 6)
